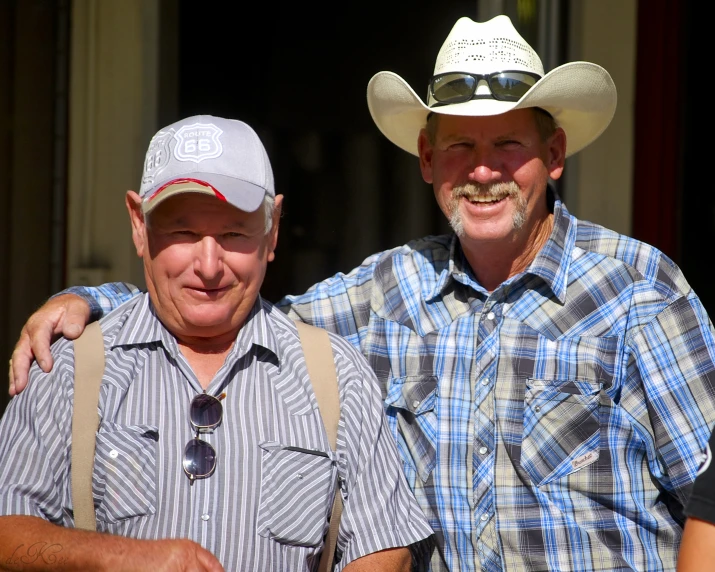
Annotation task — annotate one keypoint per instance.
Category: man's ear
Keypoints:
(557, 153)
(424, 148)
(136, 216)
(273, 239)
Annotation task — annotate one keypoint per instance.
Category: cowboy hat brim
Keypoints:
(580, 96)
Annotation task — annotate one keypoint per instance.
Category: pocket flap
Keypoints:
(416, 394)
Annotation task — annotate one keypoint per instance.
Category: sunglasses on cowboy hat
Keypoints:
(458, 87)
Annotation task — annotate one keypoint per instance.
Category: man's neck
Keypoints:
(205, 358)
(494, 263)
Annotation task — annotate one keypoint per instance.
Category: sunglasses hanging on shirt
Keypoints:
(205, 414)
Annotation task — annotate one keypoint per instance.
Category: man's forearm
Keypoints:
(29, 543)
(390, 560)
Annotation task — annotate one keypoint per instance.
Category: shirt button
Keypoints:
(485, 381)
(113, 454)
(490, 316)
(537, 408)
(482, 450)
(416, 403)
(484, 517)
(205, 517)
(300, 475)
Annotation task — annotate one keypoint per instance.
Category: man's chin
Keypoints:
(488, 231)
(206, 332)
(205, 319)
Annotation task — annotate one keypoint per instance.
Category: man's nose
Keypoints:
(209, 258)
(484, 168)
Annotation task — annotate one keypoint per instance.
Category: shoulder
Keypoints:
(642, 265)
(286, 330)
(49, 395)
(113, 322)
(429, 251)
(350, 363)
(403, 275)
(412, 257)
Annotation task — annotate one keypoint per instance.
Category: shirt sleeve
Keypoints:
(701, 504)
(670, 392)
(35, 433)
(380, 510)
(105, 298)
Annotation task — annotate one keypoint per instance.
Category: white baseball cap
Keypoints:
(211, 155)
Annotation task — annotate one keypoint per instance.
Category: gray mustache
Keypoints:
(490, 191)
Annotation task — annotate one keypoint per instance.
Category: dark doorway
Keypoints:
(299, 76)
(33, 106)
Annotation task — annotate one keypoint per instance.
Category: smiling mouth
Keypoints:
(209, 291)
(484, 200)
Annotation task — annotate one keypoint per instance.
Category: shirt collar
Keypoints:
(457, 269)
(142, 326)
(551, 264)
(553, 261)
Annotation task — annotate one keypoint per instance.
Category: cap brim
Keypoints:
(237, 192)
(581, 97)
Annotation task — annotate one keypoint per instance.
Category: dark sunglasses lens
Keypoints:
(205, 411)
(199, 458)
(453, 87)
(510, 86)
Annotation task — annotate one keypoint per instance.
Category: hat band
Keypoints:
(186, 183)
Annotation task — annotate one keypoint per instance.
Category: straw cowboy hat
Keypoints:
(581, 96)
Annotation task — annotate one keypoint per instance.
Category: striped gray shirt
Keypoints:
(266, 507)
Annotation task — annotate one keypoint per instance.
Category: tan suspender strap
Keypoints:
(326, 558)
(321, 368)
(88, 372)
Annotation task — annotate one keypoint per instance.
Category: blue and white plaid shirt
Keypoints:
(556, 423)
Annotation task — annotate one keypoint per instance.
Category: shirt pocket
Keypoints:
(124, 483)
(561, 428)
(297, 489)
(411, 401)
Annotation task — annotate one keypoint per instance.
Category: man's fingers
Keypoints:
(20, 363)
(64, 315)
(76, 316)
(208, 561)
(61, 315)
(40, 337)
(11, 377)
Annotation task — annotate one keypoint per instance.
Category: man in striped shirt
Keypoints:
(204, 376)
(550, 383)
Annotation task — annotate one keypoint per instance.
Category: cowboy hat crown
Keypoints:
(580, 96)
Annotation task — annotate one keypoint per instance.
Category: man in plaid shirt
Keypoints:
(550, 383)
